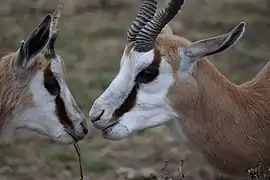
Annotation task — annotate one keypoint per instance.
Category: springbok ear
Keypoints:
(33, 45)
(206, 47)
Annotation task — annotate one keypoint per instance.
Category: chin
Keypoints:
(116, 132)
(65, 139)
(108, 136)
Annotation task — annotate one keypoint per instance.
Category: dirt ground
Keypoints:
(91, 41)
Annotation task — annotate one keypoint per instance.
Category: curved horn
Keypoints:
(56, 15)
(146, 38)
(147, 11)
(49, 51)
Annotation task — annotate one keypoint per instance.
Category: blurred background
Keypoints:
(91, 42)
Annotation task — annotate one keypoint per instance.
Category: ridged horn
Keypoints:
(55, 17)
(53, 32)
(146, 12)
(146, 37)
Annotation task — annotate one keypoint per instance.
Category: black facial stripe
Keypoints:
(62, 113)
(151, 72)
(147, 75)
(53, 87)
(50, 82)
(128, 104)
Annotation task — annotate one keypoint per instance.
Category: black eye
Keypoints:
(51, 84)
(148, 74)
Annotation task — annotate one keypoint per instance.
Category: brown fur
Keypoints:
(14, 88)
(230, 124)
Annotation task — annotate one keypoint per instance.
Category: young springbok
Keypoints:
(166, 79)
(34, 94)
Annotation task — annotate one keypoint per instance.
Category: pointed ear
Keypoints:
(33, 45)
(207, 47)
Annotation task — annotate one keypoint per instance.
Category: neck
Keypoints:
(13, 93)
(221, 97)
(224, 120)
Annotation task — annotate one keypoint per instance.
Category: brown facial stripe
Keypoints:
(60, 106)
(153, 70)
(130, 101)
(62, 113)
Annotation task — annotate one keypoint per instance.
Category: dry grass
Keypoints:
(88, 30)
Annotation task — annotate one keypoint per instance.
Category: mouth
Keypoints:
(98, 118)
(115, 131)
(110, 126)
(73, 135)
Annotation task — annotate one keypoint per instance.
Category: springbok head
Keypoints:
(36, 94)
(153, 61)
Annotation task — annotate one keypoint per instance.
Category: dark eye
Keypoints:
(51, 84)
(148, 74)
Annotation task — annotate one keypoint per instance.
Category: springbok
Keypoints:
(166, 79)
(34, 94)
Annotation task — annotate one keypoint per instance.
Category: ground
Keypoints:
(91, 41)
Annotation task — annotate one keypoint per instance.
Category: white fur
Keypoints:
(151, 108)
(71, 106)
(41, 116)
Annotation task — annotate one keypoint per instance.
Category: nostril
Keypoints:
(84, 126)
(98, 118)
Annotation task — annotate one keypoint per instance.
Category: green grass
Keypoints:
(102, 81)
(96, 164)
(65, 156)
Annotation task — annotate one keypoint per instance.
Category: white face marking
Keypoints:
(151, 108)
(41, 116)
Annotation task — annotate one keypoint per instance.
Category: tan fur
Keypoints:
(168, 45)
(14, 92)
(128, 49)
(230, 124)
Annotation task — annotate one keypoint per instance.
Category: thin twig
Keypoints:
(77, 148)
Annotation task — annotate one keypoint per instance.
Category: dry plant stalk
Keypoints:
(164, 175)
(180, 169)
(259, 173)
(77, 148)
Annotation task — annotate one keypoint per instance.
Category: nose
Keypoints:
(80, 134)
(84, 127)
(97, 117)
(84, 131)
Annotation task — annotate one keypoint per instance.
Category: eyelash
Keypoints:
(52, 86)
(148, 74)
